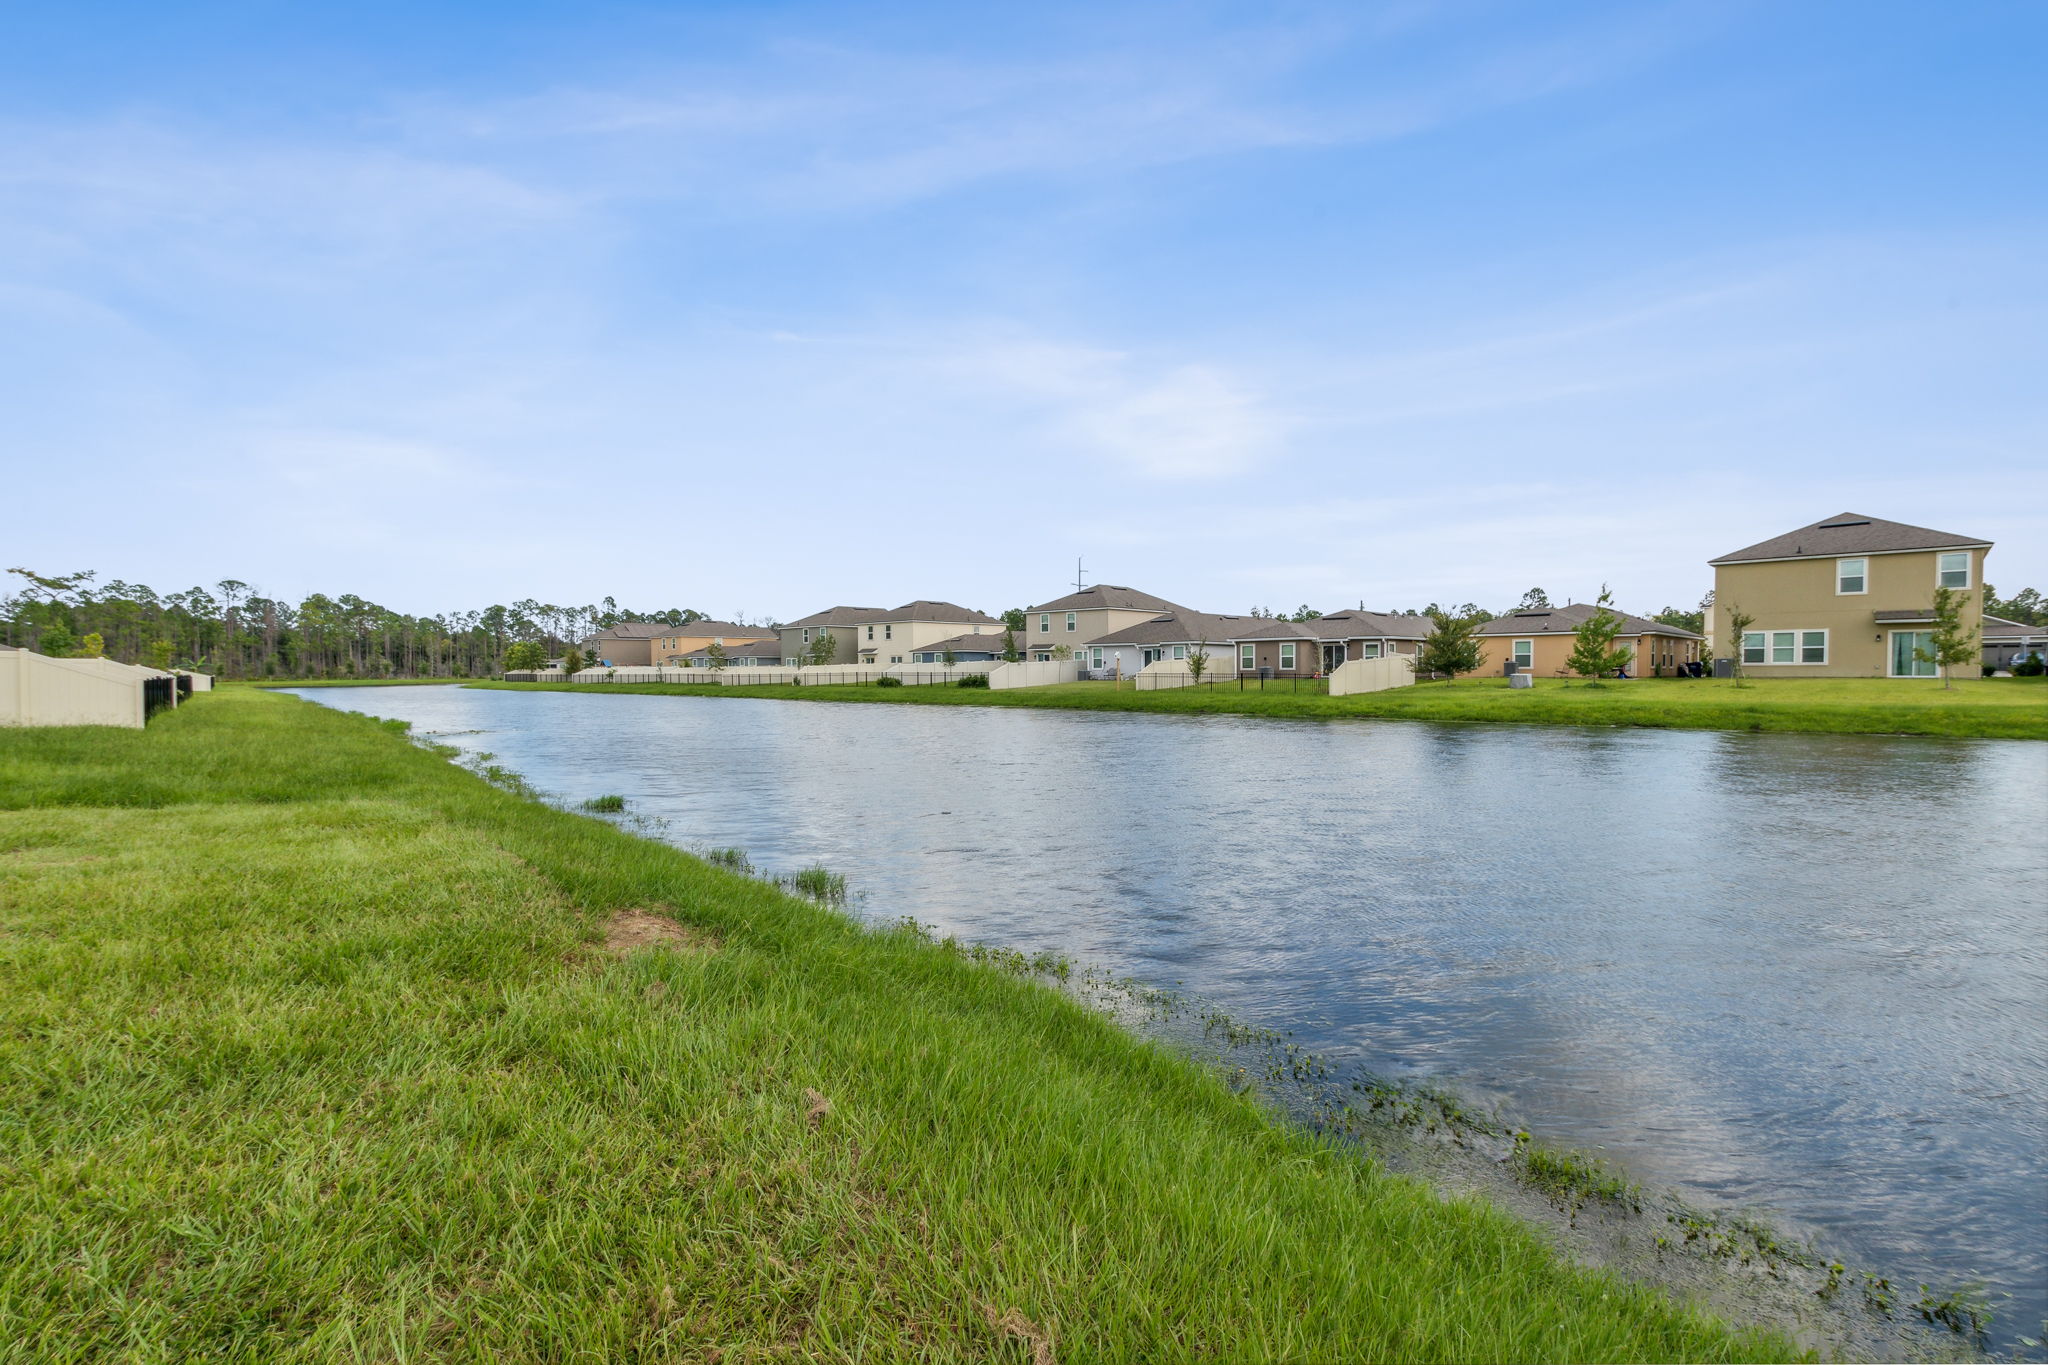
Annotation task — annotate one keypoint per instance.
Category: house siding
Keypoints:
(1799, 594)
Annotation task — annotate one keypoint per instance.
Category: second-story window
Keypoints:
(888, 632)
(1073, 621)
(1045, 623)
(1851, 575)
(1953, 570)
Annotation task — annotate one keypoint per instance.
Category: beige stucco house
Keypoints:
(888, 638)
(1083, 617)
(1538, 640)
(798, 637)
(677, 643)
(1848, 597)
(626, 644)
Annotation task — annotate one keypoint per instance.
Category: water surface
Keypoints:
(1807, 974)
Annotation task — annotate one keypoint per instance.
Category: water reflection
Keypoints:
(1807, 972)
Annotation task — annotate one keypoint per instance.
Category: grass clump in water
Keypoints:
(311, 1049)
(605, 805)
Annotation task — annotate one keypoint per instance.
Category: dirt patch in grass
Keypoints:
(631, 930)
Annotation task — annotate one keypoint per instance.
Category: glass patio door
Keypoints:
(1904, 664)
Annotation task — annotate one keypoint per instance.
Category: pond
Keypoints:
(1807, 975)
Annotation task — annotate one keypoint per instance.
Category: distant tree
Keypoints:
(1694, 621)
(1950, 642)
(1305, 612)
(822, 645)
(573, 661)
(1013, 619)
(1198, 662)
(92, 646)
(1594, 653)
(1453, 647)
(525, 655)
(1739, 622)
(159, 654)
(2026, 606)
(714, 656)
(1533, 600)
(57, 641)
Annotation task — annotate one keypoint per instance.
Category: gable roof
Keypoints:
(632, 630)
(1564, 620)
(838, 616)
(1347, 625)
(1180, 627)
(988, 642)
(770, 648)
(1849, 533)
(924, 610)
(715, 628)
(1999, 627)
(1111, 596)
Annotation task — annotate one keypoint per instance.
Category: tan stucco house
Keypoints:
(626, 644)
(1539, 639)
(1848, 597)
(1083, 617)
(889, 638)
(675, 644)
(799, 636)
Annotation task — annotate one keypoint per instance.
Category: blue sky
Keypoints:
(762, 307)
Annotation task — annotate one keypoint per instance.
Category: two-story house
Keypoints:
(800, 637)
(1848, 597)
(1083, 617)
(885, 639)
(675, 644)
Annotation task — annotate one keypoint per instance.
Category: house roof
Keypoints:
(716, 628)
(924, 610)
(838, 616)
(1849, 533)
(1564, 620)
(632, 630)
(1997, 627)
(744, 649)
(1180, 627)
(988, 642)
(1346, 625)
(1111, 596)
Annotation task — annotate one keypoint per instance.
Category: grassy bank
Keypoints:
(313, 1049)
(1981, 708)
(341, 682)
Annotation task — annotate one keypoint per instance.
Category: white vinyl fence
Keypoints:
(38, 690)
(1035, 674)
(1372, 675)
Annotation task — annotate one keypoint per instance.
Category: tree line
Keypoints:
(232, 630)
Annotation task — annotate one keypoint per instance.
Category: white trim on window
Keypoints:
(1961, 573)
(1523, 652)
(1287, 656)
(1247, 658)
(1073, 621)
(1844, 576)
(1795, 648)
(1045, 623)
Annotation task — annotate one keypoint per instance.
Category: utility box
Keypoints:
(1265, 674)
(1510, 668)
(1724, 668)
(1521, 681)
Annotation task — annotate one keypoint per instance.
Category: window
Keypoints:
(1952, 570)
(888, 632)
(1813, 646)
(1073, 621)
(1753, 647)
(1287, 656)
(1045, 623)
(895, 658)
(1180, 651)
(1247, 658)
(1369, 649)
(807, 636)
(1906, 662)
(1785, 647)
(1782, 646)
(1095, 661)
(871, 632)
(1852, 575)
(1524, 653)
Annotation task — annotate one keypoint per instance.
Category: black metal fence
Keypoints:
(157, 695)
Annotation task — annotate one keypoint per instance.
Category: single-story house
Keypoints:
(971, 648)
(1540, 639)
(677, 643)
(2008, 642)
(1170, 635)
(1316, 647)
(738, 654)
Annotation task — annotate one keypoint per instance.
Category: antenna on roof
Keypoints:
(1078, 584)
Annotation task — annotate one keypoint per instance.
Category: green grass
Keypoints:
(1979, 708)
(307, 1053)
(340, 682)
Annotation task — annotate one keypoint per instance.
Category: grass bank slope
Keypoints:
(1980, 708)
(312, 1048)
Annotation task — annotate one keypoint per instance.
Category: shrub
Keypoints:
(888, 682)
(2030, 667)
(972, 680)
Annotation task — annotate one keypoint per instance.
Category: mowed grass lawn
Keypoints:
(311, 1048)
(1983, 708)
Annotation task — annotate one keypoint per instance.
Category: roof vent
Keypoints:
(1532, 613)
(1838, 525)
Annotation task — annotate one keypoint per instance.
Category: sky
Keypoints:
(759, 308)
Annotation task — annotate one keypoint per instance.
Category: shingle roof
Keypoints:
(1999, 627)
(1849, 533)
(770, 648)
(1347, 625)
(923, 610)
(632, 630)
(838, 616)
(1564, 620)
(1176, 628)
(725, 628)
(1108, 595)
(988, 642)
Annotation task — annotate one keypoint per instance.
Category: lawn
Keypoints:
(315, 1047)
(1983, 708)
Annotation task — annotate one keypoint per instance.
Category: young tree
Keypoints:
(714, 656)
(1198, 662)
(1010, 655)
(947, 657)
(1062, 651)
(573, 661)
(1013, 619)
(822, 645)
(92, 646)
(1950, 642)
(1594, 653)
(1739, 622)
(1452, 648)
